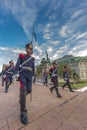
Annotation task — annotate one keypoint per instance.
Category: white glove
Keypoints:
(4, 76)
(32, 78)
(65, 79)
(16, 76)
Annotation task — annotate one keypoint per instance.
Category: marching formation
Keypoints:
(54, 78)
(24, 72)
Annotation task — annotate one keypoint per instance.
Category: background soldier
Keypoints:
(66, 79)
(45, 77)
(25, 66)
(3, 77)
(54, 78)
(9, 71)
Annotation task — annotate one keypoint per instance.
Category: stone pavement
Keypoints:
(45, 111)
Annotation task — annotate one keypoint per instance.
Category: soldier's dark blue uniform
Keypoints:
(9, 71)
(25, 67)
(54, 78)
(45, 77)
(66, 79)
(3, 77)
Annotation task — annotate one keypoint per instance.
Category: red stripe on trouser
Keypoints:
(21, 84)
(53, 80)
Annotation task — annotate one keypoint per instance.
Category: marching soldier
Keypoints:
(54, 78)
(66, 79)
(9, 71)
(45, 77)
(25, 67)
(3, 77)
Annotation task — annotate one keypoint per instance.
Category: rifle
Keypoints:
(30, 96)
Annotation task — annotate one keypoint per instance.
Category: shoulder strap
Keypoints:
(54, 71)
(25, 61)
(8, 70)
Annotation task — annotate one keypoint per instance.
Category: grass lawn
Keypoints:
(75, 86)
(79, 85)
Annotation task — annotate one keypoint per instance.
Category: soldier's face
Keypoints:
(55, 65)
(11, 64)
(29, 50)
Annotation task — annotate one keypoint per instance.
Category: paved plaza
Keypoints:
(45, 111)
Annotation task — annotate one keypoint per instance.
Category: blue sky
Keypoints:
(60, 26)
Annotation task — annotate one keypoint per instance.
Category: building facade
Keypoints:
(77, 64)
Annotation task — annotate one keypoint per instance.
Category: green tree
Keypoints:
(76, 78)
(39, 70)
(43, 62)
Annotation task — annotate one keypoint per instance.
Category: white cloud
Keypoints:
(26, 13)
(18, 50)
(37, 57)
(37, 48)
(79, 49)
(55, 42)
(53, 17)
(4, 48)
(55, 56)
(46, 30)
(77, 14)
(82, 35)
(50, 49)
(1, 59)
(47, 36)
(63, 32)
(8, 54)
(82, 53)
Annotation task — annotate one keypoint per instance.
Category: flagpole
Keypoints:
(32, 34)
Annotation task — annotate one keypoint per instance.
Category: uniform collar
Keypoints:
(28, 55)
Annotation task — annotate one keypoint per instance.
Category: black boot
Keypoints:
(71, 90)
(6, 89)
(59, 96)
(63, 86)
(57, 92)
(51, 90)
(2, 83)
(24, 118)
(23, 114)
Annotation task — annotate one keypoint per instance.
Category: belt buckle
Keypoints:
(29, 68)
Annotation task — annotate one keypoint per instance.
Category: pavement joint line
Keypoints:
(68, 100)
(22, 127)
(40, 115)
(67, 117)
(70, 113)
(50, 111)
(73, 109)
(7, 123)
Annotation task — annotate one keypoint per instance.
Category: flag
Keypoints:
(47, 55)
(34, 34)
